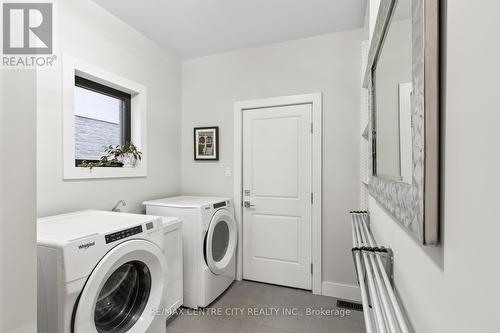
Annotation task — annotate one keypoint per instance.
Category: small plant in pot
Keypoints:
(116, 156)
(127, 154)
(104, 162)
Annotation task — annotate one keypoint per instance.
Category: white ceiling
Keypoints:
(193, 28)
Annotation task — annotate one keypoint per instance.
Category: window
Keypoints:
(100, 108)
(102, 118)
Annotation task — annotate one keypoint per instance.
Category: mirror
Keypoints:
(403, 82)
(393, 86)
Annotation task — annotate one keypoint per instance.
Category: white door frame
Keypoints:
(316, 102)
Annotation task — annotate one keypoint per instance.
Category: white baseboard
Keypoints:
(339, 290)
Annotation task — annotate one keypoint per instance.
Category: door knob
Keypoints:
(247, 204)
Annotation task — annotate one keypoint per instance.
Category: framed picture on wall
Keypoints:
(206, 143)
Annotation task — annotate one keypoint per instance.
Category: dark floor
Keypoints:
(261, 308)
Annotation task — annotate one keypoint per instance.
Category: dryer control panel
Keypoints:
(116, 236)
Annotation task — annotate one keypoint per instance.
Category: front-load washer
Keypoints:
(101, 272)
(210, 239)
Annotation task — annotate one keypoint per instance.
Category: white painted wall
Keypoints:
(88, 32)
(364, 144)
(373, 6)
(455, 287)
(329, 64)
(17, 201)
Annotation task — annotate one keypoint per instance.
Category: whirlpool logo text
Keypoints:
(86, 245)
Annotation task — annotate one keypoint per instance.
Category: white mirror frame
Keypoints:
(415, 206)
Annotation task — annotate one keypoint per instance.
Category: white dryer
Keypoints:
(101, 272)
(210, 239)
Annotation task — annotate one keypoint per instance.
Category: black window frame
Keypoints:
(126, 99)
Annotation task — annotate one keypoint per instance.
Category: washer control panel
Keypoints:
(220, 204)
(116, 236)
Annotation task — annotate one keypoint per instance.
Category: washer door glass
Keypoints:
(123, 298)
(124, 290)
(220, 241)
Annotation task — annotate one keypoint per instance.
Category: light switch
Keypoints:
(228, 172)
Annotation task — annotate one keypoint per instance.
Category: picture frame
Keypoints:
(206, 143)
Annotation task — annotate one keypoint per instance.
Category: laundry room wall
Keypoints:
(329, 64)
(88, 32)
(17, 201)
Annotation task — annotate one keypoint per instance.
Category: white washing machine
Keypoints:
(101, 272)
(210, 239)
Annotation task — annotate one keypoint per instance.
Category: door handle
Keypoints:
(247, 204)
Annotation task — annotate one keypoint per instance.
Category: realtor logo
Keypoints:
(27, 28)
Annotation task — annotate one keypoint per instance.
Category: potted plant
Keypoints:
(104, 162)
(127, 154)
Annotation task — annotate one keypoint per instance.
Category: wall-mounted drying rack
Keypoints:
(374, 270)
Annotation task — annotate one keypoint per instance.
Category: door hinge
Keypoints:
(311, 268)
(312, 198)
(312, 128)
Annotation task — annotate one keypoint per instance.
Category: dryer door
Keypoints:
(123, 291)
(220, 241)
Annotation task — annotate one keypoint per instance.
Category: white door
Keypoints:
(405, 139)
(277, 162)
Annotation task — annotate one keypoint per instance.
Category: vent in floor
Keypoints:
(350, 305)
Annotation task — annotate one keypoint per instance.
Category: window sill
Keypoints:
(105, 172)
